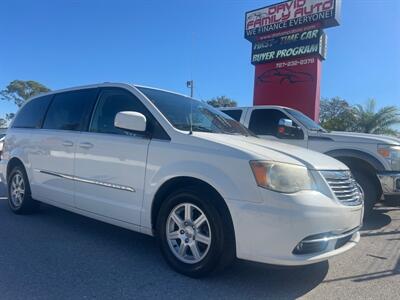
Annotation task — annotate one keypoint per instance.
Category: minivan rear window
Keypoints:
(70, 110)
(32, 113)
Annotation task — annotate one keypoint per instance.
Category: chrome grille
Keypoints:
(344, 187)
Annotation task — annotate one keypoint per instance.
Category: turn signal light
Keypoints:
(384, 152)
(260, 173)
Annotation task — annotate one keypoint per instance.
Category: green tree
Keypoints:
(337, 114)
(369, 120)
(10, 116)
(3, 123)
(222, 101)
(18, 91)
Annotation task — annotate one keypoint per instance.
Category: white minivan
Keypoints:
(167, 165)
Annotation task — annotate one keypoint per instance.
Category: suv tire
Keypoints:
(370, 188)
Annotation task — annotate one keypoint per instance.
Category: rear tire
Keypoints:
(179, 231)
(19, 192)
(371, 189)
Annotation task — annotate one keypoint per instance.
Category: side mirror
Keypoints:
(285, 122)
(289, 130)
(130, 120)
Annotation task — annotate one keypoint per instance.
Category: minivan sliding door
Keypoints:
(54, 162)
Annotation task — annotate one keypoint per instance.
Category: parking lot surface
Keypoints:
(59, 255)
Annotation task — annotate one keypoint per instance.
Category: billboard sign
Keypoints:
(291, 14)
(293, 83)
(289, 46)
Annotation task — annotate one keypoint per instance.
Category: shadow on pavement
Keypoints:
(375, 226)
(379, 218)
(395, 271)
(262, 281)
(376, 220)
(57, 253)
(370, 276)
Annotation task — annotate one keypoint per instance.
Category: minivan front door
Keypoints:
(110, 163)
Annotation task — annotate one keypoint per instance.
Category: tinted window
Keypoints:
(114, 100)
(234, 113)
(32, 113)
(111, 102)
(266, 122)
(70, 110)
(306, 121)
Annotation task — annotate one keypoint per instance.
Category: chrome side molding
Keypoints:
(89, 181)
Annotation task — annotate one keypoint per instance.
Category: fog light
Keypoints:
(307, 247)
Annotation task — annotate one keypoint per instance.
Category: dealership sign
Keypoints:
(290, 46)
(290, 14)
(292, 83)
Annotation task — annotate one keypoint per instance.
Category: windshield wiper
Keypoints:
(236, 133)
(201, 128)
(317, 129)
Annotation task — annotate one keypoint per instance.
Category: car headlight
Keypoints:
(392, 154)
(282, 177)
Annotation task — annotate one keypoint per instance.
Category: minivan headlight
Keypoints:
(392, 154)
(282, 177)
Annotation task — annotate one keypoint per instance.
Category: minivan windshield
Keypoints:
(306, 121)
(179, 109)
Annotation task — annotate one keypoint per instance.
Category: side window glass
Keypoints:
(70, 110)
(32, 113)
(111, 102)
(234, 113)
(274, 122)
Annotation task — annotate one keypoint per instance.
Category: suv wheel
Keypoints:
(370, 189)
(192, 234)
(19, 192)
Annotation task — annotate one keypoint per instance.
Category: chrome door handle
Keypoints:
(68, 143)
(86, 145)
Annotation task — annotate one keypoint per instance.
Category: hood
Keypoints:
(275, 151)
(355, 137)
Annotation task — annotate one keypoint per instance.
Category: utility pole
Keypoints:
(190, 84)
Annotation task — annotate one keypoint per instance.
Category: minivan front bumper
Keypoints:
(390, 182)
(294, 229)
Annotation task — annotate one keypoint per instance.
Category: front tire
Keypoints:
(371, 190)
(192, 234)
(19, 192)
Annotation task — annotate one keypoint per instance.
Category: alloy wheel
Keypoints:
(17, 190)
(188, 233)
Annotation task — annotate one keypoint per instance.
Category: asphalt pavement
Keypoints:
(55, 254)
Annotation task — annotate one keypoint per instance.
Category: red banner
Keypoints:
(294, 83)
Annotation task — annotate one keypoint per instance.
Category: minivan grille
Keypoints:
(344, 187)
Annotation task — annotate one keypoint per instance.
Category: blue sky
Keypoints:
(164, 43)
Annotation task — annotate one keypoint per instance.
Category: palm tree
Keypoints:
(369, 120)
